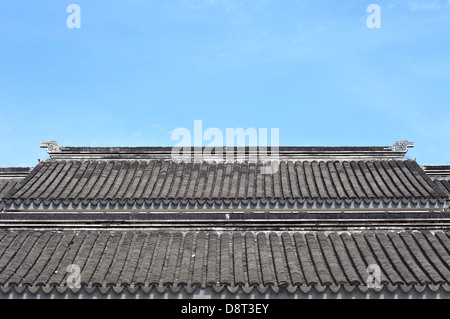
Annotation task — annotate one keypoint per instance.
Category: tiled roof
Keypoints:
(235, 260)
(440, 174)
(162, 181)
(134, 220)
(9, 178)
(444, 184)
(5, 187)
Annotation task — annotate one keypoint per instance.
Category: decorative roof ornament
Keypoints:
(52, 146)
(402, 146)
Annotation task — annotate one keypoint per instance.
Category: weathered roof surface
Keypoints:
(9, 178)
(444, 184)
(440, 174)
(191, 260)
(441, 178)
(5, 187)
(160, 181)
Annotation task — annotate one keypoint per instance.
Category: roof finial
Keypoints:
(402, 146)
(52, 146)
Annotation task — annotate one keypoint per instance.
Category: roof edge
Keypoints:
(397, 151)
(14, 172)
(437, 171)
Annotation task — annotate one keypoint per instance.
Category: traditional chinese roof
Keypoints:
(137, 220)
(237, 260)
(97, 183)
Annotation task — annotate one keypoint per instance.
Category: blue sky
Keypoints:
(137, 70)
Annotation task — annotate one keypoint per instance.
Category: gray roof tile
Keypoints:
(292, 260)
(208, 258)
(443, 184)
(138, 182)
(213, 262)
(251, 259)
(5, 187)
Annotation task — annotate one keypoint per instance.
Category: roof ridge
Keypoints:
(397, 151)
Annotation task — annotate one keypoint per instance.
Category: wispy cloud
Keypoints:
(427, 5)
